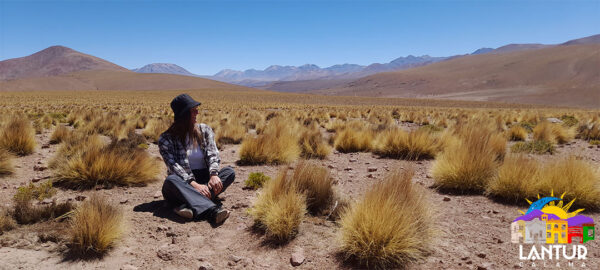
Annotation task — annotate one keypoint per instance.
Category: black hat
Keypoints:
(182, 104)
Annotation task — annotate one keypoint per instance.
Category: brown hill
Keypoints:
(55, 60)
(114, 80)
(558, 75)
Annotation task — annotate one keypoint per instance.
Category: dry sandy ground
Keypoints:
(473, 230)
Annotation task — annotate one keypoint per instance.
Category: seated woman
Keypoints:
(192, 158)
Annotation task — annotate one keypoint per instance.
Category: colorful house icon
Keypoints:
(535, 231)
(556, 231)
(517, 231)
(588, 232)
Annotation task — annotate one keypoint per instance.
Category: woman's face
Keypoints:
(193, 114)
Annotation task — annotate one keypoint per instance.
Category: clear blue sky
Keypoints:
(207, 36)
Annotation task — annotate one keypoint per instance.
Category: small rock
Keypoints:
(233, 151)
(162, 228)
(123, 201)
(330, 166)
(446, 199)
(495, 212)
(370, 175)
(174, 240)
(297, 258)
(39, 168)
(347, 169)
(80, 198)
(419, 162)
(230, 263)
(164, 254)
(205, 266)
(128, 267)
(481, 255)
(372, 169)
(469, 262)
(428, 176)
(239, 205)
(235, 258)
(353, 160)
(35, 180)
(44, 146)
(157, 194)
(554, 120)
(171, 234)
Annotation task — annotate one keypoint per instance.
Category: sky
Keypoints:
(207, 36)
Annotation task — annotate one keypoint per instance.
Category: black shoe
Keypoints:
(218, 215)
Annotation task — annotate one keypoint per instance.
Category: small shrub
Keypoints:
(534, 147)
(95, 227)
(35, 192)
(18, 136)
(6, 159)
(7, 223)
(569, 120)
(589, 132)
(256, 180)
(351, 140)
(313, 145)
(592, 142)
(517, 133)
(279, 209)
(26, 213)
(390, 226)
(527, 126)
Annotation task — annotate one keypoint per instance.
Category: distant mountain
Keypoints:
(482, 51)
(163, 68)
(595, 39)
(277, 73)
(52, 61)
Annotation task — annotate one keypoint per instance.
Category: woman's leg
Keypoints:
(178, 192)
(227, 176)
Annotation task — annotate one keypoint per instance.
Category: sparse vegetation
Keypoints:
(60, 134)
(516, 179)
(534, 147)
(25, 212)
(6, 160)
(313, 145)
(315, 182)
(18, 136)
(416, 145)
(7, 223)
(391, 226)
(278, 144)
(256, 180)
(517, 133)
(95, 227)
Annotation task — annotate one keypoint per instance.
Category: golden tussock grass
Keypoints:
(467, 165)
(18, 136)
(399, 144)
(578, 179)
(74, 144)
(60, 134)
(391, 226)
(25, 212)
(313, 145)
(96, 226)
(231, 132)
(154, 128)
(516, 179)
(316, 183)
(278, 144)
(279, 209)
(589, 131)
(121, 164)
(352, 139)
(552, 133)
(6, 162)
(516, 133)
(7, 223)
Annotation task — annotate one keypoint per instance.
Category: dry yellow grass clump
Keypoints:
(517, 133)
(96, 226)
(416, 145)
(154, 128)
(231, 132)
(351, 139)
(60, 134)
(6, 166)
(316, 183)
(516, 179)
(391, 226)
(576, 178)
(468, 165)
(279, 209)
(7, 223)
(552, 133)
(18, 136)
(313, 145)
(25, 212)
(278, 144)
(119, 163)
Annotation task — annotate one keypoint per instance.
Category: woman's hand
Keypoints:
(216, 184)
(203, 189)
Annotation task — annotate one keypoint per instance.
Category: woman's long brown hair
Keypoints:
(182, 128)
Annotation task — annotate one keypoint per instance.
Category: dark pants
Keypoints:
(178, 192)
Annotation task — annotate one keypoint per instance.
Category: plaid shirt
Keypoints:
(175, 155)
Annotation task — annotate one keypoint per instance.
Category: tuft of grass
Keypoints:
(18, 136)
(589, 132)
(154, 128)
(278, 144)
(316, 183)
(7, 223)
(38, 192)
(232, 132)
(516, 179)
(60, 134)
(517, 133)
(468, 164)
(279, 209)
(391, 226)
(25, 212)
(592, 142)
(122, 163)
(534, 147)
(313, 145)
(399, 144)
(569, 120)
(552, 133)
(351, 140)
(576, 178)
(256, 180)
(6, 159)
(95, 227)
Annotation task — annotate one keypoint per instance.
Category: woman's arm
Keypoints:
(167, 150)
(212, 153)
